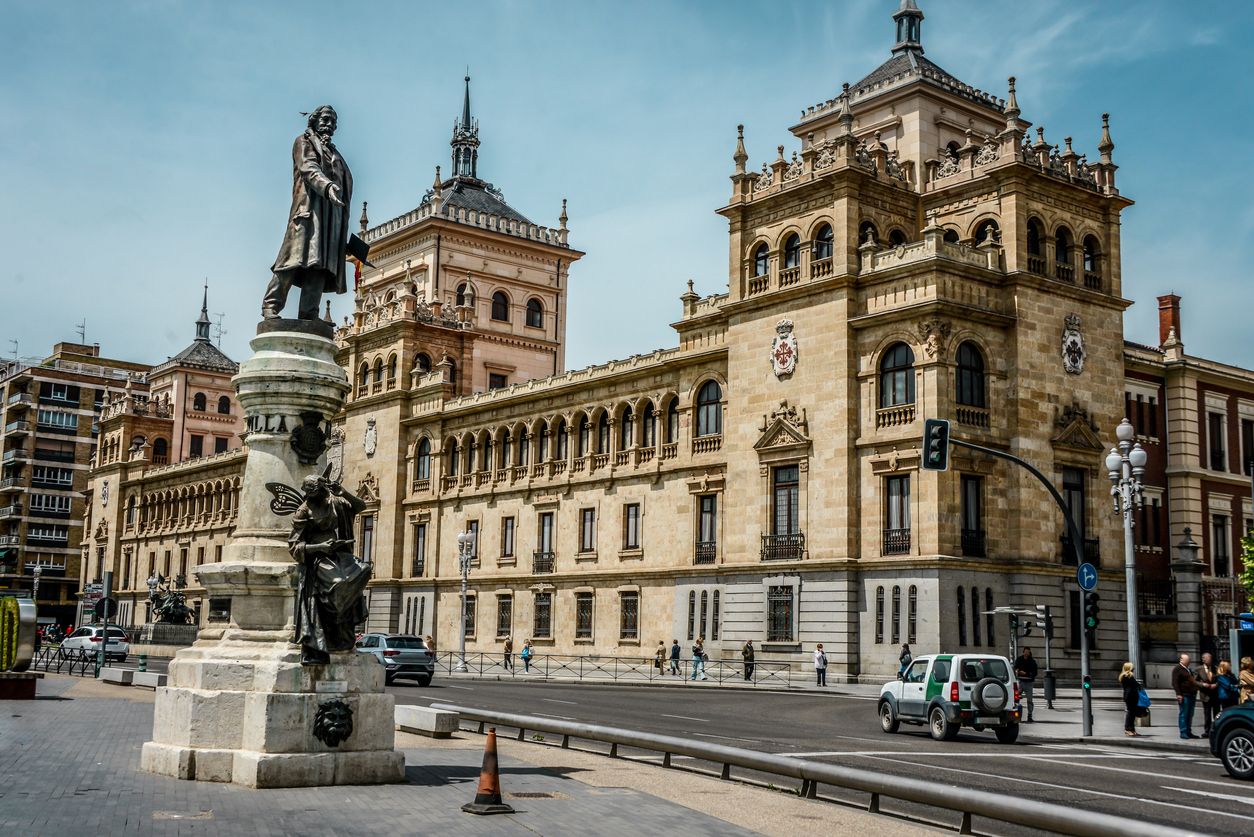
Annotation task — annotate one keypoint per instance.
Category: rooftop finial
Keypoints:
(909, 19)
(846, 115)
(1012, 103)
(1107, 145)
(466, 103)
(365, 220)
(436, 185)
(465, 140)
(562, 219)
(740, 157)
(202, 324)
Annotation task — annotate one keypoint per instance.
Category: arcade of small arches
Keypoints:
(502, 306)
(631, 432)
(379, 375)
(200, 403)
(198, 504)
(111, 449)
(896, 385)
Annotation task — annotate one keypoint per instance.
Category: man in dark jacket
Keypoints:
(1207, 685)
(675, 657)
(1025, 671)
(746, 654)
(1185, 686)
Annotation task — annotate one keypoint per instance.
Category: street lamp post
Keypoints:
(1126, 466)
(465, 554)
(34, 595)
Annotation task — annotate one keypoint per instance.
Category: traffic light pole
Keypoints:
(1086, 702)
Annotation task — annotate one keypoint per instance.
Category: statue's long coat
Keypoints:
(317, 229)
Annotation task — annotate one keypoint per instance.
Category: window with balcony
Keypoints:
(897, 377)
(583, 615)
(627, 429)
(896, 515)
(1217, 440)
(422, 460)
(563, 441)
(1036, 247)
(672, 421)
(1092, 263)
(1074, 490)
(792, 251)
(973, 533)
(631, 526)
(779, 613)
(585, 435)
(785, 542)
(707, 529)
(454, 457)
(648, 426)
(535, 313)
(629, 615)
(422, 362)
(587, 530)
(823, 243)
(1064, 269)
(542, 624)
(196, 446)
(761, 260)
(970, 377)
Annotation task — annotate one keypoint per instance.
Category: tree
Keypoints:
(1247, 564)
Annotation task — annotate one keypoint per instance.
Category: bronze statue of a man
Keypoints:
(313, 252)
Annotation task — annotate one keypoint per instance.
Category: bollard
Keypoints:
(1051, 688)
(143, 662)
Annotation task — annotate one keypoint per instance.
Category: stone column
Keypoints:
(239, 706)
(1187, 572)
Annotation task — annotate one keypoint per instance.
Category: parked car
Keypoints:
(402, 655)
(1232, 740)
(88, 639)
(950, 691)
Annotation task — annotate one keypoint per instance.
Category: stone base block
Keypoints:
(273, 770)
(19, 685)
(149, 679)
(119, 676)
(423, 720)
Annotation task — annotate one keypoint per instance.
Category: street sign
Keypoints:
(1086, 575)
(106, 608)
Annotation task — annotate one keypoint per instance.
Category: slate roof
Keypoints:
(475, 195)
(912, 64)
(201, 354)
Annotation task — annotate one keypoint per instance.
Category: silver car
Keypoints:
(402, 655)
(88, 638)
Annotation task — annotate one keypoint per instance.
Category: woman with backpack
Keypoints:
(1131, 699)
(1226, 686)
(526, 655)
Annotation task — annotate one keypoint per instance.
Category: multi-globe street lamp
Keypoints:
(1126, 466)
(465, 554)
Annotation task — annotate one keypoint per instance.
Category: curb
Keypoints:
(1130, 743)
(676, 683)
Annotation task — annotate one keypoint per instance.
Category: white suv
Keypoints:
(951, 691)
(88, 639)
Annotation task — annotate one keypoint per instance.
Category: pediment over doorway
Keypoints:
(783, 429)
(1076, 430)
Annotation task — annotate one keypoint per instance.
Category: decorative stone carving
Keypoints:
(368, 488)
(783, 349)
(987, 154)
(370, 439)
(764, 180)
(1077, 430)
(309, 440)
(826, 157)
(1072, 346)
(949, 165)
(104, 492)
(935, 334)
(333, 722)
(784, 428)
(794, 169)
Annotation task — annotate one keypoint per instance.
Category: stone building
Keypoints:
(49, 435)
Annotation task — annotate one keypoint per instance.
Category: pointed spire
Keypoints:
(740, 156)
(846, 115)
(1012, 104)
(365, 220)
(328, 318)
(202, 324)
(466, 104)
(436, 185)
(909, 20)
(562, 219)
(465, 140)
(1107, 145)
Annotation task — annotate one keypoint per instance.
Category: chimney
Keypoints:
(1168, 317)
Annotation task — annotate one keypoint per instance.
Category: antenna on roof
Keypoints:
(82, 331)
(14, 342)
(218, 330)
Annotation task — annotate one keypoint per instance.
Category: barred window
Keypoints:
(629, 615)
(779, 608)
(470, 614)
(879, 615)
(692, 614)
(583, 616)
(543, 622)
(912, 614)
(962, 616)
(705, 601)
(714, 617)
(896, 615)
(504, 614)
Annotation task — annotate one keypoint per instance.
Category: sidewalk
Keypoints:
(70, 764)
(1064, 723)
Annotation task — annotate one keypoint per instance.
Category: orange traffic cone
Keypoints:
(488, 797)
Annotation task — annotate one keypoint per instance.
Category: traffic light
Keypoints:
(1092, 616)
(1045, 621)
(1088, 683)
(936, 445)
(1014, 625)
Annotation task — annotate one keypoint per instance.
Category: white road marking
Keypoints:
(555, 700)
(1071, 788)
(685, 718)
(1166, 776)
(1246, 799)
(463, 688)
(726, 737)
(559, 717)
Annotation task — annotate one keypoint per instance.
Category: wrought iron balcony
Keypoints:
(896, 542)
(973, 545)
(783, 547)
(705, 552)
(542, 562)
(1155, 597)
(1092, 551)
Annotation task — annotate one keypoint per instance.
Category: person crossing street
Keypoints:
(1025, 670)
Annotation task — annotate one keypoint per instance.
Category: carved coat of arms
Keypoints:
(371, 440)
(1072, 346)
(784, 349)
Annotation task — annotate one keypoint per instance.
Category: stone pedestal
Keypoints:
(239, 706)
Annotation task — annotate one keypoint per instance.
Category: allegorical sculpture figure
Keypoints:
(314, 247)
(330, 600)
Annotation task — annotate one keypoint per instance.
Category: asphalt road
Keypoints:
(1181, 789)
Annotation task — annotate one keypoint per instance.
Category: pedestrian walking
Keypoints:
(675, 658)
(1185, 687)
(820, 665)
(1025, 670)
(905, 658)
(1227, 688)
(746, 654)
(526, 655)
(659, 657)
(428, 642)
(1246, 680)
(507, 657)
(1131, 699)
(1205, 675)
(698, 659)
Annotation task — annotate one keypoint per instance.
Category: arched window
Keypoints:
(896, 238)
(453, 458)
(1092, 263)
(585, 436)
(692, 614)
(648, 426)
(715, 615)
(392, 370)
(1063, 268)
(130, 512)
(672, 421)
(603, 432)
(542, 443)
(363, 376)
(535, 313)
(522, 450)
(897, 376)
(484, 446)
(1035, 245)
(879, 614)
(761, 260)
(199, 402)
(792, 251)
(970, 383)
(896, 626)
(823, 243)
(422, 460)
(962, 616)
(709, 409)
(627, 430)
(507, 450)
(563, 441)
(422, 362)
(975, 616)
(378, 370)
(160, 452)
(224, 405)
(705, 602)
(452, 371)
(464, 295)
(500, 307)
(868, 232)
(912, 614)
(951, 235)
(987, 231)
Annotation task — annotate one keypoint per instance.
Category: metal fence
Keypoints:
(53, 659)
(968, 802)
(623, 669)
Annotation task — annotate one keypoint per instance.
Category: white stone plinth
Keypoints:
(238, 705)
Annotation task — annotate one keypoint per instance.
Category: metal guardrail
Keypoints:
(969, 803)
(78, 662)
(625, 669)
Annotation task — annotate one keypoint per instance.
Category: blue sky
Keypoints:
(146, 143)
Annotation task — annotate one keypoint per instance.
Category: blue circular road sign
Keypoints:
(1086, 574)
